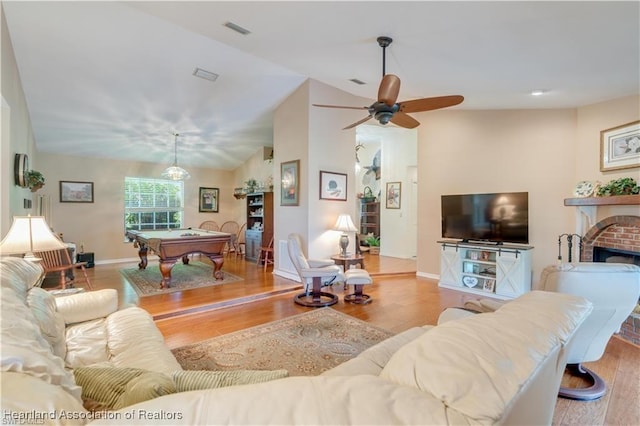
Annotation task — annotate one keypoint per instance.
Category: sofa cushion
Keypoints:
(20, 275)
(24, 395)
(188, 380)
(82, 307)
(114, 388)
(478, 364)
(373, 359)
(86, 343)
(43, 306)
(25, 350)
(135, 341)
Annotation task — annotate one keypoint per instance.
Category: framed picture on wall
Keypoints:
(290, 188)
(394, 195)
(620, 147)
(76, 192)
(209, 198)
(333, 186)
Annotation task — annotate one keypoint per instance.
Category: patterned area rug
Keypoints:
(306, 345)
(146, 282)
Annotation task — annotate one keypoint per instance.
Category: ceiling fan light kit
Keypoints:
(386, 109)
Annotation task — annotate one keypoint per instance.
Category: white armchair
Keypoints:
(613, 288)
(314, 273)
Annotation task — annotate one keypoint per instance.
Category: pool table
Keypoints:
(173, 244)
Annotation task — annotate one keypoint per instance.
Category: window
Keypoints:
(152, 203)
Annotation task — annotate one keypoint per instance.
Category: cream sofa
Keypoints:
(503, 367)
(45, 337)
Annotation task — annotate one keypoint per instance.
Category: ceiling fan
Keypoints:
(386, 110)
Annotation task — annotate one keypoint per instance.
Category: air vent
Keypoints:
(207, 75)
(237, 28)
(356, 81)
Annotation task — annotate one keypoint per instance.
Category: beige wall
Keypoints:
(543, 152)
(314, 136)
(591, 120)
(17, 135)
(99, 225)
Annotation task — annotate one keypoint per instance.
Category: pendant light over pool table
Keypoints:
(175, 172)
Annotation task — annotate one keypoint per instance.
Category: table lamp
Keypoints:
(344, 224)
(28, 234)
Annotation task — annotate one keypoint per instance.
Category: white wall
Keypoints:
(397, 226)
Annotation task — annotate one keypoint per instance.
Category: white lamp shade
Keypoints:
(29, 234)
(344, 224)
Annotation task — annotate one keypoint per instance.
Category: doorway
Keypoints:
(388, 156)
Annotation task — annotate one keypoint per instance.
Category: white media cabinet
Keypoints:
(501, 271)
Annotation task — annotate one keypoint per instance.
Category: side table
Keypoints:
(357, 260)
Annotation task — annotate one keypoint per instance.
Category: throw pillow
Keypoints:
(188, 380)
(115, 388)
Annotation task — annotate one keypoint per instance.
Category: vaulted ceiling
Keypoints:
(115, 79)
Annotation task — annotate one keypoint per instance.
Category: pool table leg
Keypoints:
(165, 269)
(142, 253)
(217, 266)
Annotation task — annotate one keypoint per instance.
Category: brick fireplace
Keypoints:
(616, 239)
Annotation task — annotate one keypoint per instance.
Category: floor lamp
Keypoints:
(29, 234)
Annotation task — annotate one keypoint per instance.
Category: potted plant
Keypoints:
(622, 186)
(251, 185)
(374, 244)
(35, 180)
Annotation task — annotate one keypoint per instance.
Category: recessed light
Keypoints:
(207, 75)
(237, 28)
(538, 92)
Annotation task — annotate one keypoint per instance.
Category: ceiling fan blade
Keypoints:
(339, 106)
(351, 126)
(404, 120)
(389, 89)
(429, 104)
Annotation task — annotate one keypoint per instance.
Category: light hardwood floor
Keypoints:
(400, 300)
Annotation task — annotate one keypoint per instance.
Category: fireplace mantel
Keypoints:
(614, 200)
(587, 206)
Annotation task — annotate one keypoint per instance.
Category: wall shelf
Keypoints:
(615, 200)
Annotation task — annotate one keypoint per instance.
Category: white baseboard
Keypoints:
(428, 275)
(286, 274)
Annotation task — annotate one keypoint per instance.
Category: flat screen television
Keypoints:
(496, 218)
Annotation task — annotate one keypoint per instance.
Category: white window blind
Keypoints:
(153, 203)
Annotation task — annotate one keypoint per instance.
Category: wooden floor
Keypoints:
(400, 300)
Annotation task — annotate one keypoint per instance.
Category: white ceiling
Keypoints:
(113, 79)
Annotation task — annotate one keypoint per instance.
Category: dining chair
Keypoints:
(59, 261)
(266, 254)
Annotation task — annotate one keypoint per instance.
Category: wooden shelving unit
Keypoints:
(259, 223)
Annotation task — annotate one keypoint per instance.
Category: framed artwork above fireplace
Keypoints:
(620, 147)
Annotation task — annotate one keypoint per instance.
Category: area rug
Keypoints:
(146, 282)
(306, 345)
